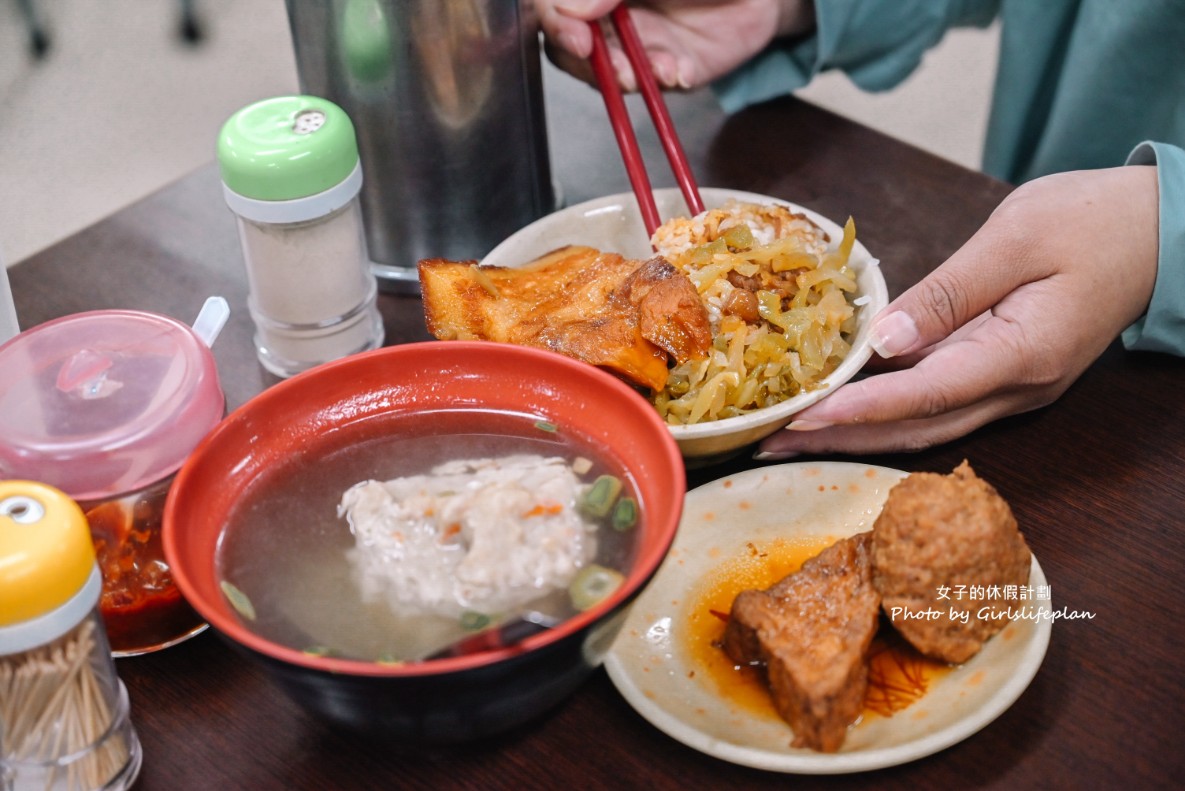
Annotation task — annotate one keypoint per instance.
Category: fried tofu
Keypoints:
(812, 631)
(630, 317)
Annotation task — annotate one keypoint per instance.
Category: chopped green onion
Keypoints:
(598, 500)
(474, 621)
(238, 600)
(543, 425)
(625, 514)
(388, 659)
(318, 650)
(592, 585)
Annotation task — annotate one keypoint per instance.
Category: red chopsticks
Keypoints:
(623, 129)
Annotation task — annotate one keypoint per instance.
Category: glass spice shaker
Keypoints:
(106, 406)
(65, 721)
(291, 175)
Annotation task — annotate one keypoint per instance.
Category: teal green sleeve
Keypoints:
(876, 43)
(1162, 328)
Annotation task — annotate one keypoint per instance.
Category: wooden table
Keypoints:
(1097, 482)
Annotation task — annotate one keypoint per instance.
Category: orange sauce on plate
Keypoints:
(898, 674)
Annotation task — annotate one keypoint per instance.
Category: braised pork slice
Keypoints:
(811, 631)
(628, 316)
(940, 545)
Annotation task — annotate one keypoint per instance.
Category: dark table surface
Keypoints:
(1097, 483)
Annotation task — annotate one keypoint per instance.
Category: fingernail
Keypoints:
(683, 74)
(666, 75)
(893, 334)
(571, 43)
(808, 425)
(625, 76)
(575, 7)
(622, 69)
(768, 455)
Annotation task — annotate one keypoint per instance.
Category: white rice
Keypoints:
(484, 535)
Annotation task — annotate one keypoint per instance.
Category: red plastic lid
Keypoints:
(106, 402)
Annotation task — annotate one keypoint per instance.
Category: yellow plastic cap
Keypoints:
(46, 552)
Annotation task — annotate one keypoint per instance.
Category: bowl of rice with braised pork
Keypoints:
(788, 297)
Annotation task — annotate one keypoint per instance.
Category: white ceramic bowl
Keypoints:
(613, 223)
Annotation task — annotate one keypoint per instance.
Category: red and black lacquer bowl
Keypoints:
(456, 699)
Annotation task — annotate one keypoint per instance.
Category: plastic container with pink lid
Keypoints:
(106, 406)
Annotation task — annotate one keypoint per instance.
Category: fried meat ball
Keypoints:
(939, 540)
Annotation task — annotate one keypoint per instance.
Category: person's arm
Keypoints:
(1162, 327)
(1008, 322)
(751, 50)
(877, 44)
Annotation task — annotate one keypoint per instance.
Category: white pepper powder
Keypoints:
(312, 294)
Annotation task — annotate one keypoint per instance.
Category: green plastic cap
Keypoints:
(286, 148)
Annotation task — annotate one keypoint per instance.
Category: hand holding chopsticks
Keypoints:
(623, 129)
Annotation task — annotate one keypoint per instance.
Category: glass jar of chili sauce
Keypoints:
(106, 406)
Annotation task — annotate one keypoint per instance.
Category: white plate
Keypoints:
(653, 672)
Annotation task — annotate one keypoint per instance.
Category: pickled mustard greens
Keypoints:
(780, 303)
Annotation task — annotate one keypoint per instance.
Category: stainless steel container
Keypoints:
(446, 97)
